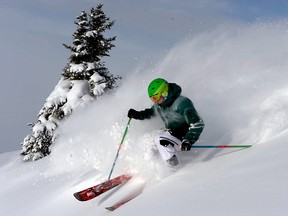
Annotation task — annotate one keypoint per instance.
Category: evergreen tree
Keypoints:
(75, 68)
(89, 46)
(84, 78)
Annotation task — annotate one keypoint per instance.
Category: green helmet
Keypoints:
(157, 88)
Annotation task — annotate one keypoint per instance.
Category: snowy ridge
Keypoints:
(237, 79)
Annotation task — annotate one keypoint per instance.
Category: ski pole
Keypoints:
(223, 146)
(125, 132)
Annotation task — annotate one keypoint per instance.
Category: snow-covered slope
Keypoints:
(237, 79)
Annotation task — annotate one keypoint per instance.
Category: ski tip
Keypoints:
(111, 208)
(78, 197)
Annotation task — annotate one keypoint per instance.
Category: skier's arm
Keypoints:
(141, 115)
(195, 123)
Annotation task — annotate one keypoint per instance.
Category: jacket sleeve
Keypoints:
(145, 114)
(196, 124)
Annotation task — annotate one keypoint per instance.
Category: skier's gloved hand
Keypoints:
(133, 113)
(186, 145)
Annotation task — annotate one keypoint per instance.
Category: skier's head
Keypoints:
(157, 89)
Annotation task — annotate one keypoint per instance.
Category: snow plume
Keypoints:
(236, 77)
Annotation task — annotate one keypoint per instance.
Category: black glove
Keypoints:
(132, 113)
(186, 145)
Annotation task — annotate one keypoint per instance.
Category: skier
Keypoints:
(182, 122)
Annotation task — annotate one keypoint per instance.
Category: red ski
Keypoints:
(101, 188)
(126, 199)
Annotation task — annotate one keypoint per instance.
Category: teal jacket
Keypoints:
(178, 114)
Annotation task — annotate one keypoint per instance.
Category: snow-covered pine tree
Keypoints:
(85, 78)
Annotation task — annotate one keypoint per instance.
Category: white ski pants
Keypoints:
(170, 150)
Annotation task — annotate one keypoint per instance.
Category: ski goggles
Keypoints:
(161, 91)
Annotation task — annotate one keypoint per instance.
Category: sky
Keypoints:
(32, 33)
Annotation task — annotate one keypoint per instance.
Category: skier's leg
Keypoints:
(168, 146)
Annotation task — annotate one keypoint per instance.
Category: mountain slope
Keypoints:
(248, 182)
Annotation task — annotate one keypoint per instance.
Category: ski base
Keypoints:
(97, 190)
